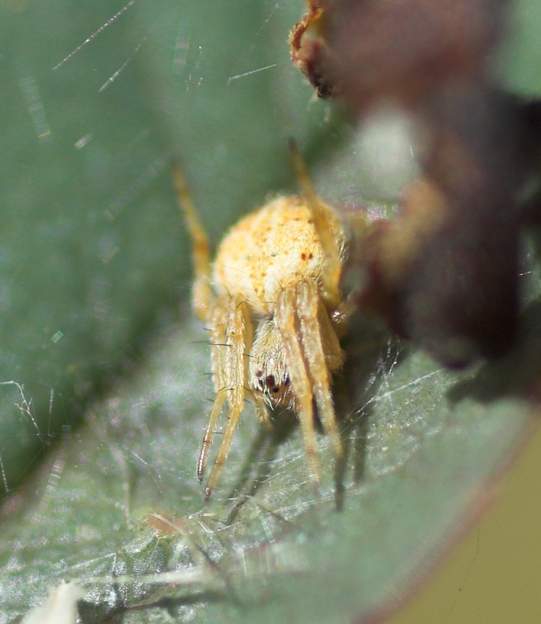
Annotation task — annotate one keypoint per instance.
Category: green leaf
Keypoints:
(422, 442)
(519, 56)
(95, 266)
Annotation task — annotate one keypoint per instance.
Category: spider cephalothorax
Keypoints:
(272, 299)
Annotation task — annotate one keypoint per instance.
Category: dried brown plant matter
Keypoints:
(446, 273)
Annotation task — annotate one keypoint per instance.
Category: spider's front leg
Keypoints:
(231, 333)
(218, 345)
(321, 349)
(230, 367)
(286, 320)
(312, 352)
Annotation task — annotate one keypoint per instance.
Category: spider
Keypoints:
(273, 303)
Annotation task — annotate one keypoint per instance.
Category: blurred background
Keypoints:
(490, 575)
(104, 375)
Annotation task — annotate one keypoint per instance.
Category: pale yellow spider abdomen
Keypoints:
(270, 250)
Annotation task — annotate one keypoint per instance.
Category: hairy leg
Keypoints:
(218, 352)
(334, 355)
(202, 296)
(239, 337)
(309, 311)
(286, 321)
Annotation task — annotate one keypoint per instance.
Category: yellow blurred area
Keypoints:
(494, 574)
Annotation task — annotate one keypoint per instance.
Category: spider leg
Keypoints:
(218, 324)
(334, 356)
(202, 296)
(239, 337)
(310, 313)
(286, 321)
(322, 217)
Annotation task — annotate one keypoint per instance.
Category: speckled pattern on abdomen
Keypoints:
(271, 249)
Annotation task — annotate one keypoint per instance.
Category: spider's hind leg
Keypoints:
(203, 298)
(322, 217)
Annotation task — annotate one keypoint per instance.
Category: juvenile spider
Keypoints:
(273, 303)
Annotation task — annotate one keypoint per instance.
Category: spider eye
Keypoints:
(270, 382)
